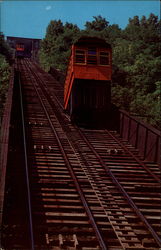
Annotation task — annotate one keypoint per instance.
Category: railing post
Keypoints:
(137, 134)
(129, 128)
(122, 121)
(145, 145)
(156, 149)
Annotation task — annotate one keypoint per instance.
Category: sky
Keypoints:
(30, 18)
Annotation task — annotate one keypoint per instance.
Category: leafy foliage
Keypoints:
(55, 47)
(5, 50)
(4, 71)
(98, 24)
(136, 59)
(137, 68)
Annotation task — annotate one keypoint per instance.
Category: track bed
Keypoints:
(87, 189)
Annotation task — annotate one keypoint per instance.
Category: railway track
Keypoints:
(87, 189)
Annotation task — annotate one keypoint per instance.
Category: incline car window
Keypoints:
(104, 58)
(80, 56)
(92, 56)
(19, 46)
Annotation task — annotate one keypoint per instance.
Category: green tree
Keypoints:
(99, 24)
(4, 48)
(54, 29)
(137, 67)
(98, 27)
(4, 79)
(112, 33)
(5, 59)
(55, 47)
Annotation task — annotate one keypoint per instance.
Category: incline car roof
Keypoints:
(94, 41)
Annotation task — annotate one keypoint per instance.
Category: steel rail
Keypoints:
(48, 95)
(82, 197)
(134, 157)
(125, 194)
(26, 168)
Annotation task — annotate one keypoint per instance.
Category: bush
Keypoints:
(4, 80)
